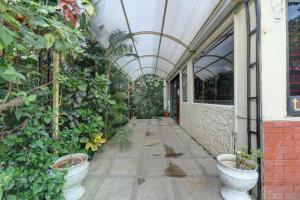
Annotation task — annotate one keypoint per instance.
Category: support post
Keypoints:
(55, 95)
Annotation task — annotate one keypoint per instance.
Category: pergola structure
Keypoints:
(162, 31)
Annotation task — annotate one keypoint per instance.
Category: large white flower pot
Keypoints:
(237, 181)
(73, 189)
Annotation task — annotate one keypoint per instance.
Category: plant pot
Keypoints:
(166, 114)
(77, 165)
(237, 181)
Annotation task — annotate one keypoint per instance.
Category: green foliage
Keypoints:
(148, 97)
(29, 34)
(121, 138)
(243, 158)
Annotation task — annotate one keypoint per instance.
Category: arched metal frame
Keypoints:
(141, 74)
(145, 56)
(163, 35)
(188, 47)
(148, 68)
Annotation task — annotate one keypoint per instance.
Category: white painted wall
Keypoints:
(211, 125)
(274, 62)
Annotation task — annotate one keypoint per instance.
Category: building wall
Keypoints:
(282, 160)
(281, 132)
(211, 125)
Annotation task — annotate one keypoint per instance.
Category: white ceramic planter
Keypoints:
(237, 182)
(73, 190)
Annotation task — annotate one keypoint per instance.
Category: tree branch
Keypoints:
(18, 100)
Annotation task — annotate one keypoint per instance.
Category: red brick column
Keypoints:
(282, 160)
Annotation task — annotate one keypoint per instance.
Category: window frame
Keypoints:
(288, 92)
(204, 52)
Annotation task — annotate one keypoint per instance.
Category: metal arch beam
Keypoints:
(148, 68)
(161, 32)
(135, 77)
(145, 56)
(163, 35)
(129, 29)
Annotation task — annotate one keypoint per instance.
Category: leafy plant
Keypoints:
(148, 97)
(92, 138)
(243, 158)
(121, 138)
(30, 31)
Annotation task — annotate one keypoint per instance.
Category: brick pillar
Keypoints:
(282, 160)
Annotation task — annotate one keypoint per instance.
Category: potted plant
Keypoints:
(166, 112)
(238, 172)
(76, 166)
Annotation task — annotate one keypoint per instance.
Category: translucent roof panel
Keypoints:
(165, 65)
(145, 71)
(125, 59)
(171, 49)
(144, 15)
(132, 66)
(146, 44)
(148, 61)
(104, 15)
(188, 16)
(138, 74)
(159, 27)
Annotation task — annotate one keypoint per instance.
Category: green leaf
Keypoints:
(39, 143)
(39, 21)
(1, 192)
(49, 40)
(37, 188)
(11, 197)
(88, 7)
(31, 98)
(11, 20)
(82, 87)
(3, 7)
(6, 35)
(111, 102)
(10, 74)
(21, 48)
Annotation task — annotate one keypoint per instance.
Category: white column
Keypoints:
(190, 82)
(166, 95)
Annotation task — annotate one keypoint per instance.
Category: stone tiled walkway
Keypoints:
(143, 172)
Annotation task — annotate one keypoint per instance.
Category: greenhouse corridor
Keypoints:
(150, 99)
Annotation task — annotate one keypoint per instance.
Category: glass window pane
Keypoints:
(294, 55)
(213, 72)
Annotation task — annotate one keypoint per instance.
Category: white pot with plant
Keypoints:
(77, 167)
(238, 173)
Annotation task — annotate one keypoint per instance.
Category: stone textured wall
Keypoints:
(184, 110)
(211, 125)
(282, 160)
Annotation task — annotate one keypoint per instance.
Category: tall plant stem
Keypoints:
(107, 76)
(55, 95)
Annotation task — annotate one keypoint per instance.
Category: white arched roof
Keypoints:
(162, 30)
